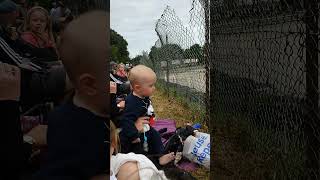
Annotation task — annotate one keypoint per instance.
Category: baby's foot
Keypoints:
(165, 159)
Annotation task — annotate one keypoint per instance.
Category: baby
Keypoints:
(142, 80)
(130, 166)
(77, 138)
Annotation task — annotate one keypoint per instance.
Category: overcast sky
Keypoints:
(135, 20)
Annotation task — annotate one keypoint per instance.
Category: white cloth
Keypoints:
(150, 112)
(147, 170)
(146, 127)
(52, 11)
(113, 177)
(115, 79)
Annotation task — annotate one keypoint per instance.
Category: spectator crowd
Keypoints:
(53, 99)
(68, 112)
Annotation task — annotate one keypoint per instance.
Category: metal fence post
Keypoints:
(311, 117)
(206, 57)
(210, 76)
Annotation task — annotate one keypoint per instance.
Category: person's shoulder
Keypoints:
(28, 37)
(70, 116)
(115, 75)
(52, 11)
(62, 112)
(50, 44)
(60, 108)
(26, 34)
(132, 99)
(133, 103)
(56, 11)
(124, 79)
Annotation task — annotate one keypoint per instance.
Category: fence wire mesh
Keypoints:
(252, 68)
(80, 6)
(264, 59)
(178, 58)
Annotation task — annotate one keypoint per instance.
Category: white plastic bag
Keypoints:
(199, 134)
(197, 149)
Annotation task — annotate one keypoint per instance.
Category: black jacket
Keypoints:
(16, 152)
(135, 107)
(78, 144)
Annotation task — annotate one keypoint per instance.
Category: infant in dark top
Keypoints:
(138, 104)
(78, 132)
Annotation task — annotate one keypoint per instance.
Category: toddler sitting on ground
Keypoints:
(138, 104)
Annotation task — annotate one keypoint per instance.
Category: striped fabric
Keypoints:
(29, 122)
(16, 58)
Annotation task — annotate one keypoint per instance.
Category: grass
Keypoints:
(237, 152)
(196, 112)
(168, 107)
(241, 153)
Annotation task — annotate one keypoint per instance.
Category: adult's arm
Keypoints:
(15, 153)
(101, 177)
(127, 121)
(131, 128)
(114, 108)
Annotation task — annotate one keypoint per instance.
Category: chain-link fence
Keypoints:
(178, 58)
(264, 81)
(252, 68)
(80, 6)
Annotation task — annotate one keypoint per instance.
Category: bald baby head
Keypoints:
(140, 74)
(85, 44)
(142, 80)
(84, 52)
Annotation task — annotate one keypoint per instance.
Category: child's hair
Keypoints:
(137, 72)
(48, 28)
(115, 140)
(119, 66)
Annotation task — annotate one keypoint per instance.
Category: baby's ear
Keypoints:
(87, 84)
(136, 86)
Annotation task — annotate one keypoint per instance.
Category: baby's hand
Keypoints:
(141, 121)
(113, 87)
(136, 141)
(121, 104)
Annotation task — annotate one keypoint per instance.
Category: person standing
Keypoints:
(59, 15)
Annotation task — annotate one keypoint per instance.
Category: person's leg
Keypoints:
(127, 146)
(156, 147)
(154, 142)
(137, 148)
